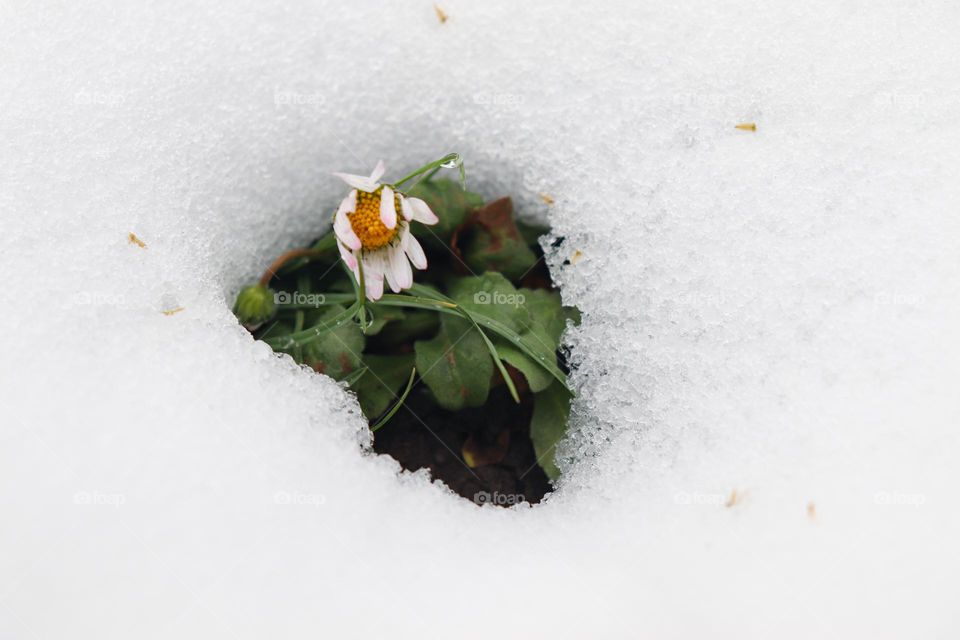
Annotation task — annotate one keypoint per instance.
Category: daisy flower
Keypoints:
(372, 236)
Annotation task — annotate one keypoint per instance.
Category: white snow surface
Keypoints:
(771, 313)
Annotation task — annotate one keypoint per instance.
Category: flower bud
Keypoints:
(255, 305)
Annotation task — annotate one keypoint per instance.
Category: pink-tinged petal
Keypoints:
(373, 283)
(347, 237)
(348, 204)
(388, 208)
(386, 267)
(373, 268)
(378, 172)
(422, 212)
(406, 209)
(341, 223)
(347, 256)
(400, 267)
(392, 279)
(358, 182)
(414, 251)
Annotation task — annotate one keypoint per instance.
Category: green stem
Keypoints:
(436, 164)
(303, 285)
(396, 407)
(496, 360)
(362, 298)
(301, 338)
(327, 300)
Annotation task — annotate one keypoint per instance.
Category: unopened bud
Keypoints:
(255, 305)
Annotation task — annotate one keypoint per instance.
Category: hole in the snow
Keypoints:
(458, 368)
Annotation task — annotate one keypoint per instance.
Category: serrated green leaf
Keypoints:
(455, 364)
(492, 241)
(336, 353)
(450, 202)
(551, 410)
(379, 387)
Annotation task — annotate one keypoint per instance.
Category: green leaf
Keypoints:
(537, 377)
(378, 388)
(492, 295)
(551, 410)
(546, 314)
(492, 241)
(337, 352)
(541, 329)
(450, 202)
(425, 299)
(455, 365)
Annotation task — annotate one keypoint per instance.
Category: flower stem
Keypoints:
(382, 421)
(277, 264)
(450, 160)
(362, 298)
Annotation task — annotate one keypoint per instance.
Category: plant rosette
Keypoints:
(480, 319)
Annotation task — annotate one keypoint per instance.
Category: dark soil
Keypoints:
(422, 435)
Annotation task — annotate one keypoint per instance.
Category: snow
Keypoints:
(772, 313)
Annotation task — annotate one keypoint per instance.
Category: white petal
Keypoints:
(373, 283)
(373, 268)
(400, 267)
(378, 172)
(414, 251)
(348, 204)
(382, 258)
(359, 182)
(341, 224)
(392, 280)
(388, 209)
(347, 256)
(422, 212)
(406, 209)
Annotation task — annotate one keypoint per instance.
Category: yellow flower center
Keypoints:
(366, 222)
